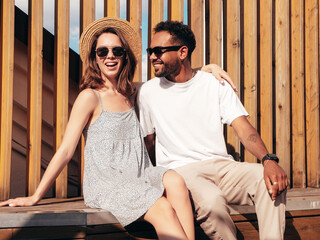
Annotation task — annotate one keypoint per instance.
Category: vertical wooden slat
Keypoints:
(34, 93)
(6, 94)
(134, 15)
(233, 62)
(61, 73)
(282, 44)
(297, 94)
(196, 23)
(112, 8)
(87, 15)
(175, 10)
(215, 32)
(155, 15)
(266, 106)
(250, 65)
(312, 91)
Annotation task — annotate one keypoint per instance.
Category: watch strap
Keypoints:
(269, 156)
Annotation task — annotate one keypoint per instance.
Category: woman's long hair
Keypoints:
(92, 74)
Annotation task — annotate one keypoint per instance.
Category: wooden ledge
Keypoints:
(297, 199)
(71, 219)
(73, 212)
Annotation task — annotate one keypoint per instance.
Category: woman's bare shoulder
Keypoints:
(87, 98)
(88, 94)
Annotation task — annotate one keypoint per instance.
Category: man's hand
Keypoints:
(219, 74)
(275, 178)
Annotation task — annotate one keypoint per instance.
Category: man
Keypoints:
(183, 115)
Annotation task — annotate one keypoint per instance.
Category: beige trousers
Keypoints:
(214, 184)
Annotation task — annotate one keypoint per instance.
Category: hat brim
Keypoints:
(124, 27)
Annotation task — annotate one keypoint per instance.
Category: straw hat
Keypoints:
(123, 26)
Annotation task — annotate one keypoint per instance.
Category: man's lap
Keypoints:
(235, 181)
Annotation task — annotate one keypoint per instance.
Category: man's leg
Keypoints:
(210, 203)
(244, 183)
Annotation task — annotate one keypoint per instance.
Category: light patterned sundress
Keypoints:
(118, 174)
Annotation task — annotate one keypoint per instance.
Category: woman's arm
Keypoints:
(81, 111)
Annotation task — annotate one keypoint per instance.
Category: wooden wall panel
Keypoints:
(87, 15)
(215, 32)
(282, 44)
(175, 10)
(134, 16)
(250, 65)
(285, 68)
(195, 21)
(266, 76)
(6, 94)
(34, 94)
(61, 73)
(312, 91)
(155, 16)
(232, 19)
(297, 94)
(111, 8)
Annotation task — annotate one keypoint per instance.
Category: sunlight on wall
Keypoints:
(48, 21)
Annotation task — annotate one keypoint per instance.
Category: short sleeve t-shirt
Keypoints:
(188, 118)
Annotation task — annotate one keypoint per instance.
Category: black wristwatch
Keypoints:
(269, 156)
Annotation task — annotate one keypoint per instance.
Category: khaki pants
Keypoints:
(214, 184)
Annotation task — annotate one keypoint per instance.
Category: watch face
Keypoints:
(272, 156)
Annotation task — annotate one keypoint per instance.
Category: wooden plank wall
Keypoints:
(35, 94)
(269, 48)
(6, 93)
(61, 76)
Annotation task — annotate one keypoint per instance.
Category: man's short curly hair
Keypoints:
(180, 33)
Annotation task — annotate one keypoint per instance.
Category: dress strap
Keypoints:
(96, 92)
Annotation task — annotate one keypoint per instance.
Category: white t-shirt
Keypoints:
(188, 118)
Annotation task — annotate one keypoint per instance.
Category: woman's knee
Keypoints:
(175, 181)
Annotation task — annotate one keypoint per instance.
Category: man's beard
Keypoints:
(168, 69)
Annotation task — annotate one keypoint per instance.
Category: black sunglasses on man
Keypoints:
(158, 51)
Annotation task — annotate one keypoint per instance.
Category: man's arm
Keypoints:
(149, 141)
(251, 140)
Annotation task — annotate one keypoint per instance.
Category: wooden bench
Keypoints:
(71, 219)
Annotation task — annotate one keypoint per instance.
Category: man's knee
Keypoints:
(213, 206)
(214, 218)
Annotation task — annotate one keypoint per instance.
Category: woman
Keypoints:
(118, 175)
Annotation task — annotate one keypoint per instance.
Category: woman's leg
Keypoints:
(165, 221)
(177, 194)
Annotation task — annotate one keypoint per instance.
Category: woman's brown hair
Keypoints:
(92, 74)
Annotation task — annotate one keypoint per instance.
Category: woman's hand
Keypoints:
(219, 74)
(20, 202)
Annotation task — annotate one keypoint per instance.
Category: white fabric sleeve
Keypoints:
(230, 105)
(144, 113)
